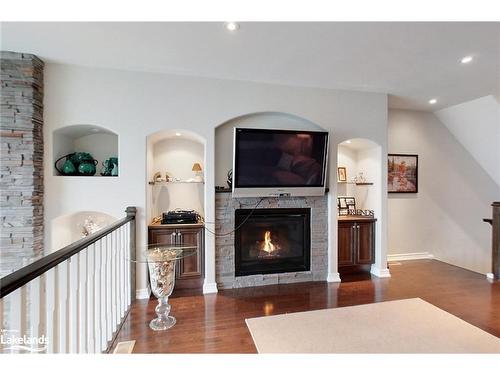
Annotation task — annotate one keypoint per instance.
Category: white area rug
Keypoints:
(402, 326)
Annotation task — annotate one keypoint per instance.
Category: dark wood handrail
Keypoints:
(24, 275)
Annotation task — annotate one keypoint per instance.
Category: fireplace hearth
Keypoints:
(274, 240)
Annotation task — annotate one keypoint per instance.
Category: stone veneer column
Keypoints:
(21, 163)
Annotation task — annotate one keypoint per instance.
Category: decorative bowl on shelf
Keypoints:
(77, 164)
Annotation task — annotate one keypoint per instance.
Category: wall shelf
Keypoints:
(175, 182)
(355, 183)
(98, 175)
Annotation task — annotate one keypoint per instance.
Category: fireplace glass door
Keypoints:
(272, 241)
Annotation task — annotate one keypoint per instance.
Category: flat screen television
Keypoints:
(279, 162)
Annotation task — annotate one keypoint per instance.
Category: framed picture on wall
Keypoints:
(402, 173)
(341, 174)
(345, 205)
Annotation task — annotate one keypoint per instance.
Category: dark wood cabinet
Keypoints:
(356, 241)
(346, 244)
(365, 237)
(190, 271)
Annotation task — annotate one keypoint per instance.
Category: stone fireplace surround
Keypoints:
(225, 207)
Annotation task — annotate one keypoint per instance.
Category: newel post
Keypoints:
(495, 242)
(131, 212)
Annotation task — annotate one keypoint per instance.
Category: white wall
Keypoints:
(445, 217)
(134, 105)
(348, 158)
(369, 163)
(476, 125)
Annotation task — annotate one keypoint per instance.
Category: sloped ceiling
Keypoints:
(476, 125)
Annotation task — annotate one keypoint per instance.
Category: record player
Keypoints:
(180, 217)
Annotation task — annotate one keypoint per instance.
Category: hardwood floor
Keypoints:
(216, 323)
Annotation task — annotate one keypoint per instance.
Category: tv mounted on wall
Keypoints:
(279, 163)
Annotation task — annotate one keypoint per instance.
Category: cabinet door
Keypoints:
(346, 244)
(191, 266)
(162, 236)
(365, 243)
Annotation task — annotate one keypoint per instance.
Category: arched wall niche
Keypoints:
(364, 159)
(360, 158)
(264, 120)
(66, 229)
(99, 141)
(175, 151)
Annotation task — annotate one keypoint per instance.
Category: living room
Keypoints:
(251, 187)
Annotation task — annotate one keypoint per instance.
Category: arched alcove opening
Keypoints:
(175, 172)
(99, 142)
(224, 250)
(264, 120)
(66, 229)
(360, 166)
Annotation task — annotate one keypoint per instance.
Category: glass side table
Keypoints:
(161, 260)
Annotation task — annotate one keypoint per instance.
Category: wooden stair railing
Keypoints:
(495, 239)
(73, 300)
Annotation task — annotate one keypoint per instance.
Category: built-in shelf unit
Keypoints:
(360, 160)
(175, 155)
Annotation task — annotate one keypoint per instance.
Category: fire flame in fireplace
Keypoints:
(268, 247)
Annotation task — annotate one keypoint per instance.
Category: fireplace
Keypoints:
(272, 241)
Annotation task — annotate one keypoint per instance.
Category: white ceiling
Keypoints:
(413, 62)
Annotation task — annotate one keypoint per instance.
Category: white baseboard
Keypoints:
(333, 277)
(409, 256)
(209, 288)
(490, 276)
(142, 293)
(380, 272)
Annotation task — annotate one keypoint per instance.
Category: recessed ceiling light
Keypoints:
(178, 134)
(347, 141)
(433, 101)
(232, 26)
(466, 59)
(95, 130)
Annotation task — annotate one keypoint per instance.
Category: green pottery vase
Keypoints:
(87, 167)
(68, 168)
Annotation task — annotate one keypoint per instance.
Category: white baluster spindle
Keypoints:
(91, 300)
(34, 310)
(73, 303)
(82, 302)
(62, 302)
(97, 296)
(51, 310)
